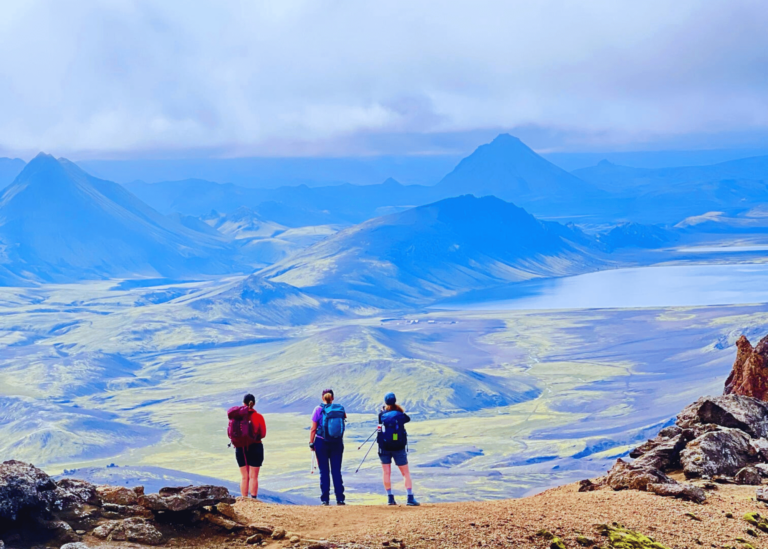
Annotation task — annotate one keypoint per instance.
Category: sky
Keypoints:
(173, 79)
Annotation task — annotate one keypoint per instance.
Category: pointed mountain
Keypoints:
(434, 251)
(58, 223)
(510, 170)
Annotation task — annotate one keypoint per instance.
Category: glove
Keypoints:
(312, 446)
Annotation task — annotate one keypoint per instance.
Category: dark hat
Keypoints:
(390, 399)
(327, 391)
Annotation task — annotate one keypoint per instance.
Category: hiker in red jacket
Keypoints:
(246, 430)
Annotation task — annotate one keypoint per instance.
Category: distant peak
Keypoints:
(43, 157)
(506, 138)
(605, 163)
(391, 181)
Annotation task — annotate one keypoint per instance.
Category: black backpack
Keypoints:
(392, 436)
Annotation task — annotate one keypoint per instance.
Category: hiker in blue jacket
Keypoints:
(393, 441)
(326, 440)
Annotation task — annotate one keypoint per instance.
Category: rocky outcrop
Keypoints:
(723, 438)
(749, 376)
(35, 508)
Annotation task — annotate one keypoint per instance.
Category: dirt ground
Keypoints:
(563, 511)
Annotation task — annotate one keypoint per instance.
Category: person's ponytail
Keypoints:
(328, 398)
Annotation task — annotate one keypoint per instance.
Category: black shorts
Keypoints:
(254, 455)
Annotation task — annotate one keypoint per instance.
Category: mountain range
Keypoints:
(58, 223)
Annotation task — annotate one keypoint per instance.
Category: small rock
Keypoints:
(294, 539)
(546, 534)
(76, 545)
(729, 515)
(221, 521)
(749, 476)
(227, 510)
(687, 492)
(692, 516)
(278, 533)
(557, 543)
(118, 495)
(80, 532)
(587, 485)
(762, 494)
(584, 541)
(256, 538)
(262, 529)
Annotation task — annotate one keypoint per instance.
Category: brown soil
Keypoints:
(563, 511)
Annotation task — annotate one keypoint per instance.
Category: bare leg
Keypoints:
(407, 476)
(253, 473)
(244, 481)
(387, 475)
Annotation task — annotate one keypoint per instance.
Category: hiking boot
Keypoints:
(412, 502)
(340, 503)
(391, 500)
(325, 503)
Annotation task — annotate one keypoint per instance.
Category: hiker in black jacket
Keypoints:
(393, 442)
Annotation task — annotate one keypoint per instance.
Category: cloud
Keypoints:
(337, 77)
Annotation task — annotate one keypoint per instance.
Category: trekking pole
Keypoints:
(366, 455)
(312, 464)
(376, 430)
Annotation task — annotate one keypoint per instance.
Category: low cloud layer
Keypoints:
(290, 77)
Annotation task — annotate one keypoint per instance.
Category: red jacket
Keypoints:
(258, 424)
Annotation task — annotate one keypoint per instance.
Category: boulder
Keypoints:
(25, 490)
(628, 476)
(688, 492)
(733, 411)
(77, 492)
(748, 475)
(721, 452)
(117, 495)
(665, 455)
(76, 545)
(186, 499)
(749, 376)
(28, 492)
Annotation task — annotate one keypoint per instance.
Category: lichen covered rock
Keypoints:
(623, 538)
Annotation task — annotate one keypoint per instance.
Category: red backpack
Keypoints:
(241, 430)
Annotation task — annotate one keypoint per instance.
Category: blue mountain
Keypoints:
(58, 223)
(435, 251)
(669, 195)
(510, 170)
